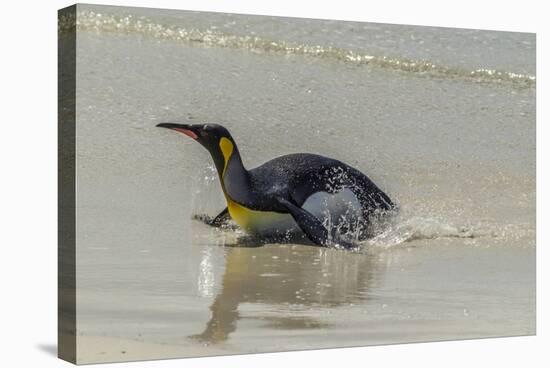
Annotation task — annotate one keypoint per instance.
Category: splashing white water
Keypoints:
(420, 228)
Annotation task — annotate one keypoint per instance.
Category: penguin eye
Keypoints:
(204, 131)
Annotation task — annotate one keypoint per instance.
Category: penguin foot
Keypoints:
(222, 220)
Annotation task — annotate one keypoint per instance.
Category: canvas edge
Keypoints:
(66, 297)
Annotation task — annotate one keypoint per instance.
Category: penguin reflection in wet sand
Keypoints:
(326, 199)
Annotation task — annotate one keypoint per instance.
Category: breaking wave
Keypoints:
(93, 21)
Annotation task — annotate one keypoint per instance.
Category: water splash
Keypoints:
(420, 228)
(98, 22)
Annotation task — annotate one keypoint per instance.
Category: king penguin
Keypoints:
(320, 196)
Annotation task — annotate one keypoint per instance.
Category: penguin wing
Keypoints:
(311, 226)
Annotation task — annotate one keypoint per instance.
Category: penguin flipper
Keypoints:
(311, 226)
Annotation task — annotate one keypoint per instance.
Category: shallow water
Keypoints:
(456, 151)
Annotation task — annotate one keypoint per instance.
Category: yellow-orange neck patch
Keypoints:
(227, 150)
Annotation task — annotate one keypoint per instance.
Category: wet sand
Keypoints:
(290, 297)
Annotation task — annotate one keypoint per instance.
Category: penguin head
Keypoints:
(214, 137)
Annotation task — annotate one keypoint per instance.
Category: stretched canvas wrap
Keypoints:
(236, 184)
